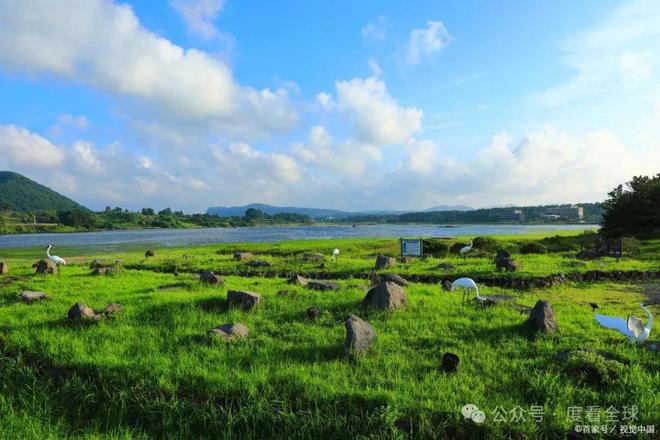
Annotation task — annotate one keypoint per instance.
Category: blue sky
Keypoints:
(353, 105)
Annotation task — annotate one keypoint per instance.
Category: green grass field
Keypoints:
(153, 372)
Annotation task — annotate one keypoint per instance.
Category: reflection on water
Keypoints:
(182, 237)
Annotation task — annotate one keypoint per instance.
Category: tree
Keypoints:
(76, 218)
(165, 212)
(254, 213)
(148, 211)
(633, 209)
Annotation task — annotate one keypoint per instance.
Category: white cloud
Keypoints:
(103, 44)
(425, 42)
(374, 66)
(422, 156)
(86, 158)
(377, 116)
(375, 30)
(199, 15)
(325, 100)
(20, 147)
(621, 52)
(256, 167)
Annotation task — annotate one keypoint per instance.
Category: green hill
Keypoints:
(22, 194)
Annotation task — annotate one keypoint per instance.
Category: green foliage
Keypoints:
(631, 246)
(567, 243)
(435, 247)
(488, 244)
(533, 247)
(77, 218)
(633, 209)
(19, 193)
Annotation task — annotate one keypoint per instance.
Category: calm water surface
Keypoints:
(183, 237)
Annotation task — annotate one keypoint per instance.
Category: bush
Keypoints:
(486, 244)
(631, 246)
(533, 247)
(435, 247)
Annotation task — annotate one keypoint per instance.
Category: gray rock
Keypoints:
(360, 336)
(4, 268)
(450, 362)
(259, 263)
(31, 296)
(394, 278)
(81, 311)
(298, 280)
(386, 295)
(322, 285)
(447, 285)
(232, 330)
(113, 308)
(542, 318)
(209, 277)
(46, 267)
(246, 300)
(384, 262)
(313, 313)
(242, 256)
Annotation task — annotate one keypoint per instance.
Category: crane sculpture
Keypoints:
(632, 327)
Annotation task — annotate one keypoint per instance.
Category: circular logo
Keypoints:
(468, 410)
(478, 416)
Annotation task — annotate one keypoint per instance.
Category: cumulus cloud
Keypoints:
(20, 147)
(199, 15)
(103, 44)
(377, 116)
(375, 30)
(423, 43)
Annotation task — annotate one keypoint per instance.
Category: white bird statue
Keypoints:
(632, 327)
(54, 258)
(468, 284)
(466, 249)
(335, 254)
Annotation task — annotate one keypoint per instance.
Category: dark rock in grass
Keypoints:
(30, 296)
(394, 278)
(654, 346)
(80, 311)
(313, 256)
(576, 264)
(542, 318)
(149, 253)
(232, 330)
(587, 255)
(502, 254)
(242, 256)
(446, 266)
(506, 264)
(298, 280)
(386, 295)
(322, 285)
(46, 267)
(406, 259)
(4, 268)
(313, 313)
(384, 262)
(447, 285)
(259, 263)
(247, 300)
(104, 271)
(113, 309)
(360, 336)
(450, 362)
(283, 292)
(209, 277)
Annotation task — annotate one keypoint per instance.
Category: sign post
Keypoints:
(411, 247)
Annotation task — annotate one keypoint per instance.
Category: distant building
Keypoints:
(566, 212)
(519, 214)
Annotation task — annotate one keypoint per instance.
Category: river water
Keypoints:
(183, 237)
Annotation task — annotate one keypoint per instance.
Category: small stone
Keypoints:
(149, 253)
(46, 267)
(30, 296)
(322, 285)
(313, 313)
(360, 336)
(233, 330)
(247, 300)
(446, 266)
(113, 308)
(209, 277)
(81, 311)
(450, 362)
(259, 263)
(298, 280)
(386, 295)
(4, 268)
(447, 285)
(242, 256)
(542, 318)
(384, 262)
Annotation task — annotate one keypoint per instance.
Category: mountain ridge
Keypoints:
(22, 194)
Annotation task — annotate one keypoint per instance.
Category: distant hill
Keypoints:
(441, 208)
(315, 213)
(23, 194)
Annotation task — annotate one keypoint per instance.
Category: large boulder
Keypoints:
(242, 256)
(46, 267)
(394, 278)
(246, 300)
(30, 296)
(209, 277)
(386, 295)
(384, 262)
(80, 311)
(360, 336)
(232, 330)
(506, 264)
(322, 285)
(542, 318)
(298, 280)
(4, 268)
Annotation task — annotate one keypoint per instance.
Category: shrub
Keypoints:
(435, 247)
(533, 247)
(631, 246)
(486, 244)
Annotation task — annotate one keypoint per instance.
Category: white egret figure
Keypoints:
(468, 284)
(54, 258)
(632, 327)
(466, 249)
(335, 254)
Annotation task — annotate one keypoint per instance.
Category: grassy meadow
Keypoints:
(153, 372)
